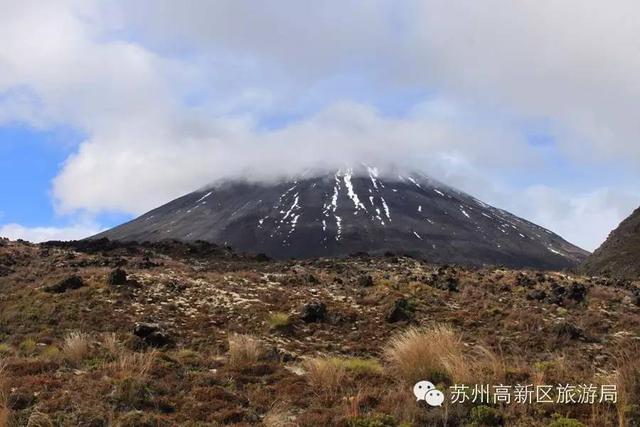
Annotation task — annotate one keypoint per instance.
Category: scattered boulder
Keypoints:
(537, 295)
(71, 282)
(558, 292)
(449, 283)
(365, 281)
(401, 311)
(275, 354)
(524, 280)
(635, 296)
(569, 331)
(117, 277)
(152, 334)
(314, 311)
(577, 292)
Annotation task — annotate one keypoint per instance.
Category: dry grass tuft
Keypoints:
(4, 396)
(39, 419)
(489, 366)
(553, 371)
(436, 354)
(628, 385)
(76, 347)
(244, 350)
(325, 375)
(130, 365)
(111, 343)
(278, 416)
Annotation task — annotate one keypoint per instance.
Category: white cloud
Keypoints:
(43, 234)
(573, 62)
(583, 219)
(173, 97)
(118, 171)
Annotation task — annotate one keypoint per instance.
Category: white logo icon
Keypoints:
(425, 390)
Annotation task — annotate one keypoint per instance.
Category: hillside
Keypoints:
(350, 211)
(171, 334)
(619, 255)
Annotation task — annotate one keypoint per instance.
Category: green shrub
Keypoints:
(377, 420)
(5, 349)
(50, 352)
(131, 393)
(28, 346)
(485, 416)
(279, 321)
(566, 422)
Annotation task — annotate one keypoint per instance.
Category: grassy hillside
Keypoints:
(99, 334)
(619, 255)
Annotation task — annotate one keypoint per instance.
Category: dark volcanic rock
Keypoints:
(577, 292)
(569, 331)
(315, 311)
(152, 334)
(537, 295)
(401, 311)
(365, 281)
(71, 282)
(619, 255)
(117, 277)
(353, 211)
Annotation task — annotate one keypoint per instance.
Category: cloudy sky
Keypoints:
(110, 108)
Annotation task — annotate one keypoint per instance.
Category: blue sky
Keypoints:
(30, 159)
(108, 109)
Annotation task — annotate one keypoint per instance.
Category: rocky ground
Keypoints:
(98, 334)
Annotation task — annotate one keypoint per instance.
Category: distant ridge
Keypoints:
(619, 255)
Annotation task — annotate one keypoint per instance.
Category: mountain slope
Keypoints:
(345, 212)
(619, 255)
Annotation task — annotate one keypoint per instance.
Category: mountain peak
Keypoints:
(353, 209)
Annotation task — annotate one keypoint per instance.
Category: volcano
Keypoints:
(349, 211)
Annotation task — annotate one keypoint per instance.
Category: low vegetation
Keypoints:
(325, 376)
(76, 347)
(279, 321)
(244, 350)
(436, 353)
(4, 395)
(196, 339)
(628, 382)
